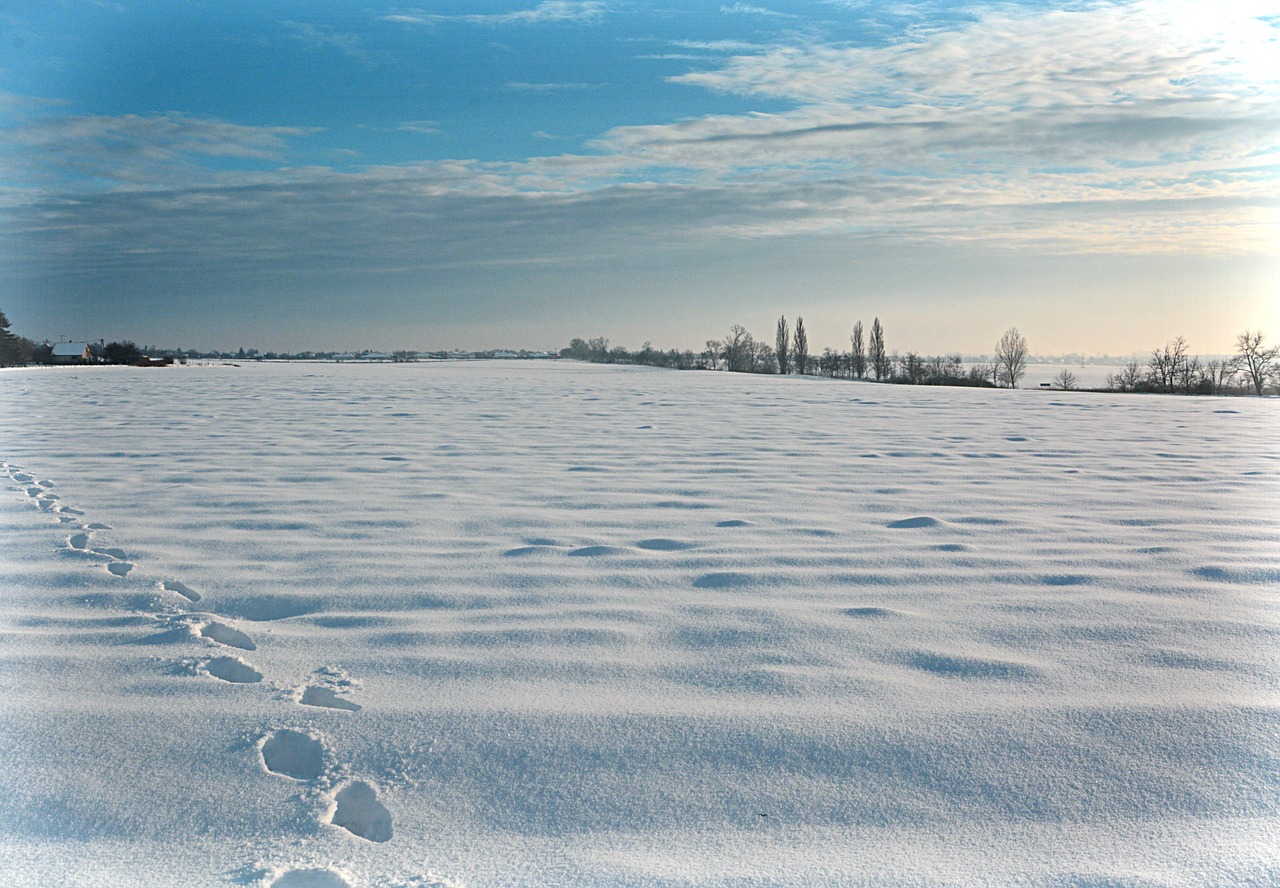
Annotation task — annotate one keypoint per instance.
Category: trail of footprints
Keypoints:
(353, 804)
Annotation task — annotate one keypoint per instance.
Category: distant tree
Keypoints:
(578, 350)
(10, 350)
(782, 346)
(738, 348)
(800, 347)
(912, 368)
(1129, 379)
(1189, 375)
(598, 348)
(1166, 364)
(1220, 375)
(121, 352)
(1066, 380)
(858, 357)
(1011, 357)
(763, 358)
(1256, 360)
(880, 363)
(982, 375)
(711, 354)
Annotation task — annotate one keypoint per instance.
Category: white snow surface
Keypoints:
(531, 624)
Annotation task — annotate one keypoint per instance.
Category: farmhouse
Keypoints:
(71, 353)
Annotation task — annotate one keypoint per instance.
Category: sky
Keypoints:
(302, 174)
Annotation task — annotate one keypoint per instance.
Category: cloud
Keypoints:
(546, 11)
(422, 127)
(102, 152)
(747, 9)
(517, 86)
(718, 45)
(324, 37)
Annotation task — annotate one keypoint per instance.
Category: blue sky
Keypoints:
(294, 175)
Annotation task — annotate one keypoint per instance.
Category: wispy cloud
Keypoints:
(719, 45)
(422, 127)
(748, 9)
(104, 152)
(520, 86)
(324, 37)
(546, 11)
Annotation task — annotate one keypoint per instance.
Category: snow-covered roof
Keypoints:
(69, 349)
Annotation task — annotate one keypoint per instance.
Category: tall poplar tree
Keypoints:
(800, 347)
(876, 352)
(782, 345)
(859, 355)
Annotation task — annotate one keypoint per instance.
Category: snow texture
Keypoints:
(529, 624)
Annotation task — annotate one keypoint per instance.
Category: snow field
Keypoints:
(531, 624)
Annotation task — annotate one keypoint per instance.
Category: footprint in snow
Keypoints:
(78, 541)
(357, 810)
(327, 685)
(181, 589)
(117, 554)
(310, 877)
(292, 754)
(119, 568)
(326, 698)
(232, 669)
(227, 635)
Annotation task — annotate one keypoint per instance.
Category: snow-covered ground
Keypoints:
(541, 624)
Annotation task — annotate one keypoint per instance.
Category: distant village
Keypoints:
(128, 353)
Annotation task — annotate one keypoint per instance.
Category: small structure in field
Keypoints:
(71, 353)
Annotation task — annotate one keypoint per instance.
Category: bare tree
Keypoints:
(800, 347)
(782, 346)
(1189, 375)
(712, 353)
(738, 349)
(1167, 364)
(913, 368)
(1221, 374)
(1127, 380)
(880, 364)
(1066, 380)
(982, 374)
(1256, 360)
(859, 353)
(1011, 357)
(766, 359)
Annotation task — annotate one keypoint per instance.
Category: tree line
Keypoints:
(1254, 366)
(1173, 370)
(789, 353)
